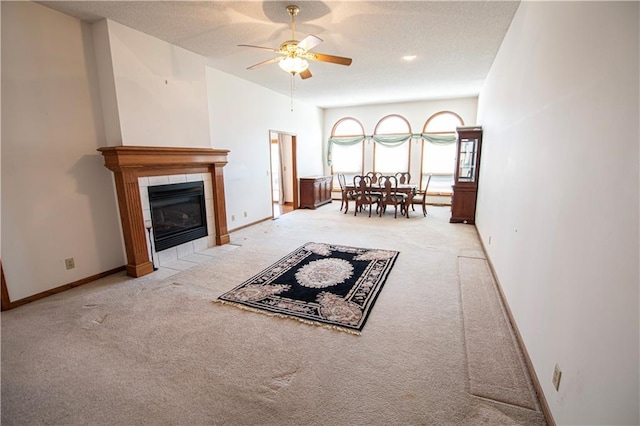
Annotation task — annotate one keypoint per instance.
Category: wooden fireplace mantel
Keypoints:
(128, 163)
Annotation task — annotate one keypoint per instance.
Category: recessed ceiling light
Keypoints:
(409, 57)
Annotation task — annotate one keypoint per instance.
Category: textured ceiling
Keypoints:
(454, 42)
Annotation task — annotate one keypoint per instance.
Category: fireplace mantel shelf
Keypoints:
(128, 163)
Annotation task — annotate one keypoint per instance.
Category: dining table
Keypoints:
(404, 188)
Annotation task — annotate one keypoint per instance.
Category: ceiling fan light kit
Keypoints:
(295, 55)
(293, 65)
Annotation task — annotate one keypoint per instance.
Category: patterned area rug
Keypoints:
(322, 284)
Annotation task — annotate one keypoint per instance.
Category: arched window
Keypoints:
(347, 158)
(443, 122)
(439, 158)
(390, 158)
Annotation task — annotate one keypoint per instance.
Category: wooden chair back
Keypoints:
(403, 177)
(421, 197)
(375, 177)
(362, 193)
(426, 185)
(342, 181)
(390, 196)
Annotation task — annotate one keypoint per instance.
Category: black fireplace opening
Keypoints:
(178, 213)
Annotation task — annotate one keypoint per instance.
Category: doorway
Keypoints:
(284, 173)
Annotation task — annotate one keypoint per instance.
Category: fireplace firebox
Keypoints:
(178, 213)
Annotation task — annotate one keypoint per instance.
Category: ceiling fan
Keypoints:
(294, 54)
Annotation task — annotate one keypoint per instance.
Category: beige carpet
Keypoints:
(158, 351)
(495, 367)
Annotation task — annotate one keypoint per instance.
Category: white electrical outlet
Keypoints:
(233, 217)
(69, 263)
(557, 374)
(245, 214)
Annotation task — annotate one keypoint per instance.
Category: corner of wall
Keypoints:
(107, 85)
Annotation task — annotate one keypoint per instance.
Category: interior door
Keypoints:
(284, 173)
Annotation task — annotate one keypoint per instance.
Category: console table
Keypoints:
(315, 191)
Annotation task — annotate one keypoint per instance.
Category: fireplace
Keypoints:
(129, 163)
(178, 213)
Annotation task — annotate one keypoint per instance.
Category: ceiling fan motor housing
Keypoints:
(290, 48)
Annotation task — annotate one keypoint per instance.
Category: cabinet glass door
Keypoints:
(467, 160)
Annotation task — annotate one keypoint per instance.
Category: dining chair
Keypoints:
(346, 195)
(375, 177)
(362, 194)
(421, 197)
(403, 177)
(391, 196)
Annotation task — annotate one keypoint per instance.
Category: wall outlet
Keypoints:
(245, 214)
(557, 374)
(489, 239)
(233, 217)
(69, 263)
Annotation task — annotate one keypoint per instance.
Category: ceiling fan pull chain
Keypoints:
(293, 82)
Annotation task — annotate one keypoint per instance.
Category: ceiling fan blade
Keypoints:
(268, 61)
(305, 74)
(309, 42)
(259, 47)
(328, 58)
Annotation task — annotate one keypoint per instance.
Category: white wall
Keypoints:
(57, 197)
(558, 199)
(106, 83)
(163, 97)
(0, 137)
(160, 89)
(241, 116)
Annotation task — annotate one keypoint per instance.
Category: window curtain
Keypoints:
(390, 140)
(439, 138)
(344, 141)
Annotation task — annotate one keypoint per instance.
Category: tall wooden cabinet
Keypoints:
(315, 191)
(465, 184)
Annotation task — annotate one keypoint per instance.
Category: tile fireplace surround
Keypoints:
(128, 163)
